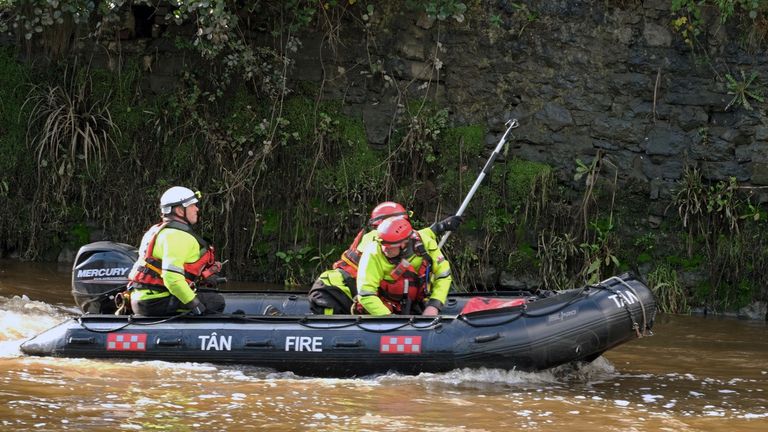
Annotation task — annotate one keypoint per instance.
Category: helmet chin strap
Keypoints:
(174, 215)
(185, 216)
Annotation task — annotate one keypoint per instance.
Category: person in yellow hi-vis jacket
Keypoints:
(402, 272)
(172, 260)
(334, 290)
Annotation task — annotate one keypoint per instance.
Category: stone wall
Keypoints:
(583, 77)
(580, 76)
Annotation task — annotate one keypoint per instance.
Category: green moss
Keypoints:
(702, 292)
(522, 260)
(684, 262)
(80, 234)
(643, 258)
(356, 174)
(458, 156)
(308, 89)
(352, 131)
(299, 112)
(352, 168)
(270, 222)
(467, 139)
(244, 123)
(521, 176)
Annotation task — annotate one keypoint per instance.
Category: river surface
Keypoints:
(694, 374)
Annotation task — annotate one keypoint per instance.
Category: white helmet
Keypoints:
(175, 196)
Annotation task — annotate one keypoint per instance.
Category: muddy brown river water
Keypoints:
(694, 374)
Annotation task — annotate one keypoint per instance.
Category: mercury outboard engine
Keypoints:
(100, 272)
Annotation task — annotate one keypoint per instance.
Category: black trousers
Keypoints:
(322, 297)
(167, 306)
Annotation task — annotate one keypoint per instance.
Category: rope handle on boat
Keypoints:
(469, 322)
(524, 312)
(358, 322)
(635, 325)
(128, 322)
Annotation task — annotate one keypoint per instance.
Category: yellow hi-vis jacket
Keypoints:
(174, 248)
(375, 267)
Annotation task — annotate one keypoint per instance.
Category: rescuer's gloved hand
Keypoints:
(216, 267)
(196, 307)
(211, 282)
(451, 223)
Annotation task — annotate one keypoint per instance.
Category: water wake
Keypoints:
(21, 318)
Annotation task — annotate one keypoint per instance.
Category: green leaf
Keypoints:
(594, 266)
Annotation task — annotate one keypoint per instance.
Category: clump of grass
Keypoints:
(670, 294)
(69, 123)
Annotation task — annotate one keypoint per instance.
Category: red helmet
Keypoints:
(394, 230)
(385, 210)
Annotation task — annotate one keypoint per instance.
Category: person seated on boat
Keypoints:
(402, 272)
(334, 290)
(172, 260)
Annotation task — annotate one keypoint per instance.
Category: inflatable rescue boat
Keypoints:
(505, 329)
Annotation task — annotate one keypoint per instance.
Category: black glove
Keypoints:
(451, 223)
(196, 307)
(212, 281)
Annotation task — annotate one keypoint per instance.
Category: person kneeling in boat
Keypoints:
(172, 259)
(334, 290)
(402, 272)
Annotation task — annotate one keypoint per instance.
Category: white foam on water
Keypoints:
(595, 372)
(481, 377)
(649, 398)
(180, 367)
(22, 318)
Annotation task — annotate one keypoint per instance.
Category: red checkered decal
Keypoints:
(127, 342)
(400, 345)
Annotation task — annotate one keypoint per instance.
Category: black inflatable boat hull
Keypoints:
(576, 325)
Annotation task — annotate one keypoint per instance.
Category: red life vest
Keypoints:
(149, 272)
(350, 259)
(404, 275)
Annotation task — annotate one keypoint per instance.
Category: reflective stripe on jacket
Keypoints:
(376, 271)
(350, 259)
(171, 257)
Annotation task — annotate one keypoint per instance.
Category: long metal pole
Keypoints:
(511, 124)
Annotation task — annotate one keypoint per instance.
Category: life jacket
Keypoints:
(148, 270)
(350, 258)
(408, 283)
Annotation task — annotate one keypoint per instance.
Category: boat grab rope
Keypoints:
(524, 313)
(436, 322)
(358, 322)
(128, 322)
(635, 325)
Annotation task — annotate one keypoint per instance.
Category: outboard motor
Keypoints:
(100, 272)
